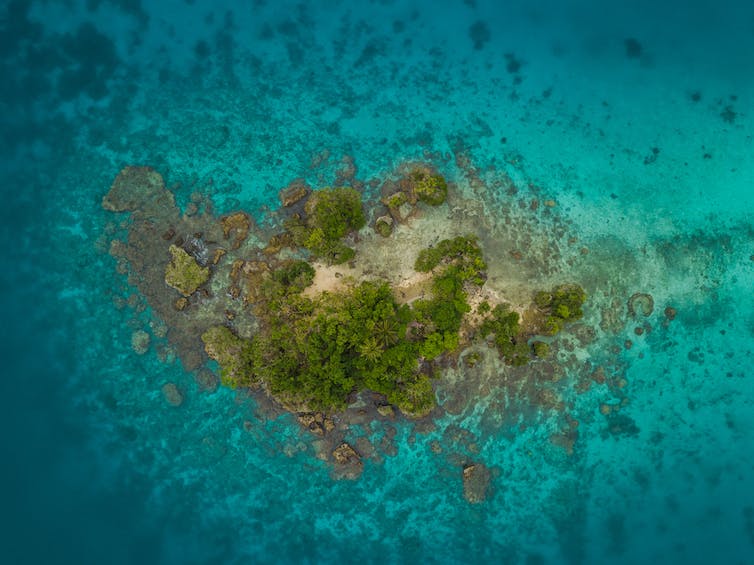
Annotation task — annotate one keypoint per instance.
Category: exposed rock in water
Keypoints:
(236, 225)
(476, 482)
(316, 422)
(183, 272)
(172, 394)
(293, 193)
(386, 411)
(140, 342)
(348, 460)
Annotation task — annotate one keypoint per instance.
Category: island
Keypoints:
(346, 304)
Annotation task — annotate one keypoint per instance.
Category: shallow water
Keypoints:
(645, 146)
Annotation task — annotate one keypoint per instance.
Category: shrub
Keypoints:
(295, 275)
(563, 305)
(235, 356)
(429, 188)
(540, 349)
(330, 215)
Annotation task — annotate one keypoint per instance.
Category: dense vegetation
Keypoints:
(330, 214)
(562, 305)
(313, 352)
(429, 188)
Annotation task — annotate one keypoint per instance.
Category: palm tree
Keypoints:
(386, 332)
(370, 349)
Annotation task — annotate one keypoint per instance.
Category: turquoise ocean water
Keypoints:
(634, 117)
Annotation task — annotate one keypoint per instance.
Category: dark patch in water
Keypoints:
(634, 50)
(479, 32)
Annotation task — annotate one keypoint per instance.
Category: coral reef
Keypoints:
(298, 312)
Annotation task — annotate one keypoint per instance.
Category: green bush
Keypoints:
(429, 188)
(331, 214)
(504, 326)
(395, 201)
(295, 275)
(540, 349)
(562, 305)
(234, 355)
(463, 252)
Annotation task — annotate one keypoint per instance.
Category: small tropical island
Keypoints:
(341, 300)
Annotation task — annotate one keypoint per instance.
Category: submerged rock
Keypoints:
(348, 461)
(236, 225)
(476, 482)
(293, 193)
(138, 188)
(140, 342)
(172, 394)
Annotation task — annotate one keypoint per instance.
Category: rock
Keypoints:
(181, 303)
(293, 193)
(218, 254)
(237, 225)
(395, 200)
(183, 273)
(386, 410)
(404, 211)
(476, 482)
(641, 304)
(277, 242)
(172, 394)
(384, 225)
(140, 342)
(316, 422)
(348, 461)
(328, 425)
(344, 454)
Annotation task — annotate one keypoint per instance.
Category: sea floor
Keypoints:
(631, 121)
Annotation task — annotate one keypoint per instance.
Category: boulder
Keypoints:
(348, 462)
(344, 454)
(384, 225)
(183, 273)
(293, 193)
(236, 225)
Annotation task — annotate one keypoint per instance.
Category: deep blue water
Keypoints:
(634, 116)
